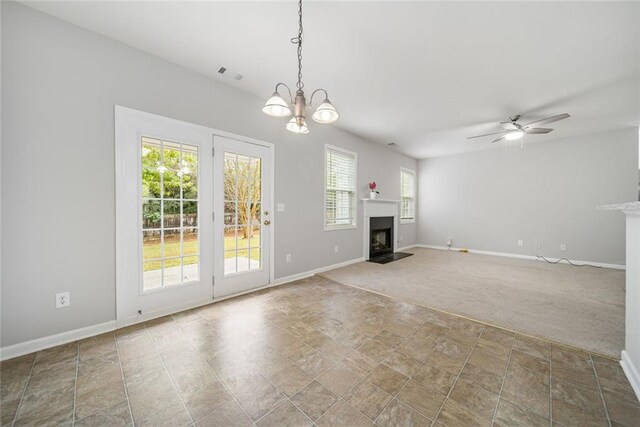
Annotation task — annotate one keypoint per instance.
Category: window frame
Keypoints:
(413, 198)
(354, 222)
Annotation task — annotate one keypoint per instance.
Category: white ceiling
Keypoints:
(424, 75)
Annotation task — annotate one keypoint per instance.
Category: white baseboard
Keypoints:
(404, 248)
(631, 372)
(530, 257)
(38, 344)
(304, 275)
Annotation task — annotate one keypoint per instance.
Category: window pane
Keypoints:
(189, 214)
(190, 268)
(243, 237)
(230, 262)
(243, 260)
(151, 187)
(171, 243)
(171, 184)
(172, 271)
(254, 261)
(151, 244)
(151, 275)
(229, 238)
(151, 214)
(190, 186)
(151, 153)
(171, 155)
(190, 241)
(171, 214)
(229, 213)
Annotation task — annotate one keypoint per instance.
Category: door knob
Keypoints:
(267, 222)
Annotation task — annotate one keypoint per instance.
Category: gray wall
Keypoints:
(60, 85)
(545, 193)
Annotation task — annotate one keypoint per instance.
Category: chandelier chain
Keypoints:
(298, 40)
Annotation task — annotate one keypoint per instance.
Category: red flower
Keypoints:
(372, 186)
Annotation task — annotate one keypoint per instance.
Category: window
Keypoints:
(170, 248)
(340, 188)
(407, 195)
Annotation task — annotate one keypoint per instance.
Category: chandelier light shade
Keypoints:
(295, 127)
(325, 113)
(276, 106)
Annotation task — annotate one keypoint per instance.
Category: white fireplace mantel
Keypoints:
(631, 354)
(377, 208)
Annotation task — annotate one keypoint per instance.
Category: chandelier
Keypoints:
(276, 106)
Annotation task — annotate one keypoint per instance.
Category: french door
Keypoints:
(172, 252)
(242, 224)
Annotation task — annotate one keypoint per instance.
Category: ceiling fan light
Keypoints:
(276, 106)
(325, 113)
(294, 127)
(513, 135)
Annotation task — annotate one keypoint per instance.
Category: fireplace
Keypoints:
(380, 236)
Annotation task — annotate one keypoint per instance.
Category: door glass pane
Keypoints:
(170, 233)
(230, 239)
(152, 275)
(190, 268)
(171, 273)
(189, 214)
(151, 214)
(151, 245)
(190, 241)
(243, 194)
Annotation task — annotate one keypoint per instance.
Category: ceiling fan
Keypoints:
(514, 130)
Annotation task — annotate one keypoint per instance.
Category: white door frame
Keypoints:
(269, 205)
(121, 181)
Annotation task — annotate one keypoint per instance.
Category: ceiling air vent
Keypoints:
(392, 144)
(231, 74)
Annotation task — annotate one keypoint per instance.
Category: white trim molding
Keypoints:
(26, 347)
(631, 372)
(304, 275)
(519, 256)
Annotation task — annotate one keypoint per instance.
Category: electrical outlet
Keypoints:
(563, 247)
(538, 245)
(335, 249)
(520, 242)
(280, 207)
(288, 257)
(63, 299)
(449, 241)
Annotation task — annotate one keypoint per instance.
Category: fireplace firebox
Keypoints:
(381, 236)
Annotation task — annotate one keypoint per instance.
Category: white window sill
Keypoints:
(340, 227)
(407, 221)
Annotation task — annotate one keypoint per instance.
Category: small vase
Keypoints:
(373, 195)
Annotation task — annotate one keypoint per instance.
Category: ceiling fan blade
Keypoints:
(509, 125)
(548, 120)
(498, 139)
(486, 134)
(537, 130)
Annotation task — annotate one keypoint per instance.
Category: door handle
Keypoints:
(267, 222)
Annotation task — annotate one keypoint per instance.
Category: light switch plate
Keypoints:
(280, 207)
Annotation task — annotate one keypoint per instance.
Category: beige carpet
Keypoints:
(579, 306)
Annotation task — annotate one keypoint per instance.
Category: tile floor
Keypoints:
(314, 353)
